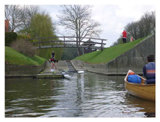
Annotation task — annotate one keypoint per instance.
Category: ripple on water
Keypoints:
(87, 95)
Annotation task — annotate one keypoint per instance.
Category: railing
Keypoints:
(68, 42)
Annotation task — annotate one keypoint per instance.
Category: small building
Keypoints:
(89, 43)
(6, 25)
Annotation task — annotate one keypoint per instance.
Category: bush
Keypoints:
(10, 37)
(24, 47)
(24, 37)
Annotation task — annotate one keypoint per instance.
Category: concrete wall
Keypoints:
(23, 70)
(62, 65)
(133, 59)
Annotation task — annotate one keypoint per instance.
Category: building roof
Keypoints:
(88, 42)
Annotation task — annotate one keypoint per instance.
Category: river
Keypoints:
(85, 95)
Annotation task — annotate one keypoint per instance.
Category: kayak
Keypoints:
(141, 90)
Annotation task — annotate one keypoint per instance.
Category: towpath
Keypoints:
(62, 65)
(46, 73)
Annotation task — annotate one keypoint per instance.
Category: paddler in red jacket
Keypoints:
(124, 33)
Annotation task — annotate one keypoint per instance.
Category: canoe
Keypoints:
(141, 90)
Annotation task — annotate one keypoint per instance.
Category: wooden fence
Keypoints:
(68, 42)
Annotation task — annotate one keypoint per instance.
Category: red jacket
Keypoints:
(124, 34)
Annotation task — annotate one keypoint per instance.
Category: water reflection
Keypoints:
(85, 95)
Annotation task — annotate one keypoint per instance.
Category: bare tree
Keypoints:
(143, 27)
(148, 23)
(27, 14)
(12, 13)
(77, 18)
(20, 16)
(132, 30)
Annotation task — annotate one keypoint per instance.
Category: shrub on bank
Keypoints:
(10, 37)
(24, 47)
(24, 37)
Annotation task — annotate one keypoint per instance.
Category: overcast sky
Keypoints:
(112, 17)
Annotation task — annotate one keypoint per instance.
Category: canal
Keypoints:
(84, 95)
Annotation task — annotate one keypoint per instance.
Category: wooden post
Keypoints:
(77, 41)
(64, 42)
(89, 43)
(39, 43)
(102, 45)
(52, 42)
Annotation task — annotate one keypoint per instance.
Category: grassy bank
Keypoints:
(14, 57)
(108, 54)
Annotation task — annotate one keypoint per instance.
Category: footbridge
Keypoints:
(68, 42)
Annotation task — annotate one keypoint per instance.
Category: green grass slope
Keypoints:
(14, 57)
(108, 54)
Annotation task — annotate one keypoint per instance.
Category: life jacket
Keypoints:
(150, 72)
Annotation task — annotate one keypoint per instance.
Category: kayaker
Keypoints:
(124, 33)
(149, 70)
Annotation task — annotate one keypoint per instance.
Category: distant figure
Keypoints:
(131, 39)
(53, 54)
(52, 60)
(149, 70)
(124, 33)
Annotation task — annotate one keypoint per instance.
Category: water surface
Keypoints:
(85, 95)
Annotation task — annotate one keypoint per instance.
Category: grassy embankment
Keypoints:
(14, 57)
(107, 54)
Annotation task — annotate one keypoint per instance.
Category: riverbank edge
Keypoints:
(90, 68)
(19, 71)
(133, 59)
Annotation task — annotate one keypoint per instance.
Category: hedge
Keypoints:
(10, 37)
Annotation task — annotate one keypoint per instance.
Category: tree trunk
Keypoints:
(79, 51)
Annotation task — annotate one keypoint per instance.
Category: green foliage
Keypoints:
(108, 54)
(69, 53)
(10, 37)
(58, 53)
(46, 53)
(14, 57)
(42, 26)
(24, 37)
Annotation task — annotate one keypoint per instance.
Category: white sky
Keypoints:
(112, 17)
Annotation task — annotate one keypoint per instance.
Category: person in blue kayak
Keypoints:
(149, 70)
